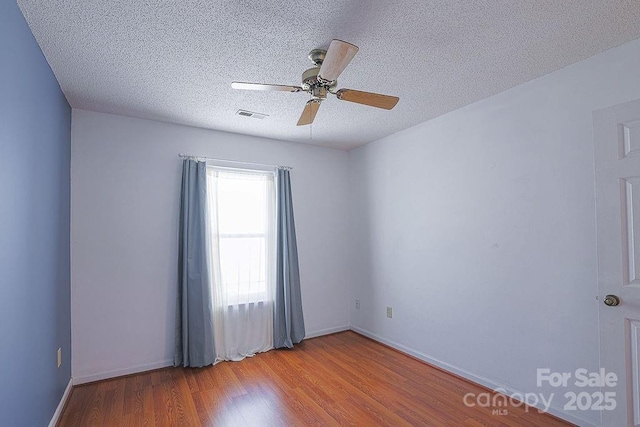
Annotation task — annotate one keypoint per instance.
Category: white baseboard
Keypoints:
(87, 378)
(327, 331)
(63, 401)
(465, 374)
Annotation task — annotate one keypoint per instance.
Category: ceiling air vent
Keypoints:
(251, 114)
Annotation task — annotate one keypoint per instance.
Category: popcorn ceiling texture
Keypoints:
(174, 60)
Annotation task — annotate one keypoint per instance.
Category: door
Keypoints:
(617, 170)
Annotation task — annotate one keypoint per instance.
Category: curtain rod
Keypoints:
(186, 156)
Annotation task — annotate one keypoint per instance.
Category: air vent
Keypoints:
(251, 114)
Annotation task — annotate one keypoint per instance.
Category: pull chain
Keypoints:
(310, 124)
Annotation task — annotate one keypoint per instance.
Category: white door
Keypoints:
(617, 168)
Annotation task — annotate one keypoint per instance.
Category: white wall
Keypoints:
(478, 228)
(125, 192)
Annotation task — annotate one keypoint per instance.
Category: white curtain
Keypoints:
(241, 207)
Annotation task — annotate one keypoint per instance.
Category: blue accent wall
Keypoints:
(35, 143)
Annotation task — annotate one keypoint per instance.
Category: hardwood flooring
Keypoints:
(340, 379)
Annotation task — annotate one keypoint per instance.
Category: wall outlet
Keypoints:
(389, 312)
(358, 304)
(59, 357)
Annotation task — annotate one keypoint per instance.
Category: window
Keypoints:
(242, 211)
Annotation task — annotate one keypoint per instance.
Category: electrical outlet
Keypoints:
(358, 304)
(59, 357)
(389, 312)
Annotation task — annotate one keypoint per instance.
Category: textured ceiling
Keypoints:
(174, 60)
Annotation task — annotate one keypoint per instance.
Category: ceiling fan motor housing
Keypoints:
(315, 86)
(310, 78)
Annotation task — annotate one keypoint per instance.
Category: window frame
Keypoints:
(257, 297)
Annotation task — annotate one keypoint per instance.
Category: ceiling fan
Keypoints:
(323, 78)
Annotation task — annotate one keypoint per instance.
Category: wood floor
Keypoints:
(340, 379)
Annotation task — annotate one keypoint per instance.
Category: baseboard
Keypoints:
(484, 382)
(88, 378)
(63, 401)
(327, 331)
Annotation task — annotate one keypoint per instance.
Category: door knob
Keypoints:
(611, 300)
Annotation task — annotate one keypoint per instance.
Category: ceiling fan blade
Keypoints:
(368, 98)
(260, 86)
(309, 112)
(336, 60)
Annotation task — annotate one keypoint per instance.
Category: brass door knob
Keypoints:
(611, 300)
